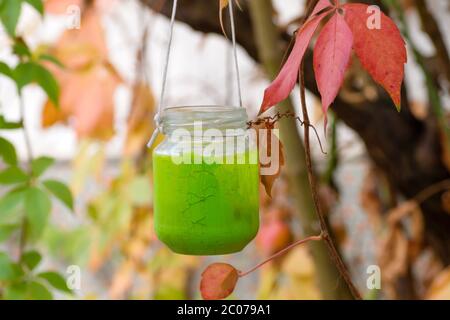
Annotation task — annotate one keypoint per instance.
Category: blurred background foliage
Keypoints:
(93, 208)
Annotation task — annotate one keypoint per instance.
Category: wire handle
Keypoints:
(166, 67)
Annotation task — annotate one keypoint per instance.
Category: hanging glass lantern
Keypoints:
(206, 187)
(206, 180)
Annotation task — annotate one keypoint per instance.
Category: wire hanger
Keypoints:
(166, 67)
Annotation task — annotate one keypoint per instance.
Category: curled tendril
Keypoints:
(269, 121)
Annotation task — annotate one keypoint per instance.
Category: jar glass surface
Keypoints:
(206, 181)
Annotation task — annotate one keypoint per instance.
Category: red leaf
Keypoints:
(282, 86)
(382, 51)
(331, 57)
(218, 281)
(273, 236)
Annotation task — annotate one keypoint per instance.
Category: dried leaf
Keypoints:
(218, 281)
(140, 126)
(393, 258)
(266, 148)
(440, 288)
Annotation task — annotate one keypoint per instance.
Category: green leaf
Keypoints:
(27, 291)
(56, 280)
(6, 70)
(52, 59)
(9, 202)
(8, 270)
(60, 191)
(37, 208)
(40, 165)
(37, 4)
(13, 175)
(4, 124)
(6, 231)
(8, 152)
(9, 15)
(21, 49)
(31, 259)
(31, 72)
(37, 291)
(16, 291)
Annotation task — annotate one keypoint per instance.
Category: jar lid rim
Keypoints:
(213, 116)
(202, 108)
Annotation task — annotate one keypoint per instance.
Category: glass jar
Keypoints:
(206, 180)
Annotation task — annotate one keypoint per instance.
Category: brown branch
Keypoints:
(312, 180)
(431, 27)
(281, 252)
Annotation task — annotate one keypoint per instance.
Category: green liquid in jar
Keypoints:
(205, 209)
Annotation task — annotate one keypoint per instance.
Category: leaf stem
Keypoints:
(312, 180)
(281, 252)
(29, 151)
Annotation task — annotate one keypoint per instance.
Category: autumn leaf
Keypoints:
(222, 5)
(321, 6)
(273, 236)
(87, 83)
(440, 287)
(283, 84)
(266, 149)
(139, 126)
(382, 51)
(331, 58)
(218, 281)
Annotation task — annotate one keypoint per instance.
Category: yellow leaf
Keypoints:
(440, 288)
(140, 124)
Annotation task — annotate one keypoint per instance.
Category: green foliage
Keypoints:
(31, 259)
(55, 280)
(9, 15)
(36, 4)
(40, 165)
(13, 175)
(52, 59)
(8, 269)
(21, 49)
(10, 12)
(8, 204)
(8, 152)
(37, 208)
(6, 231)
(7, 125)
(26, 206)
(32, 72)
